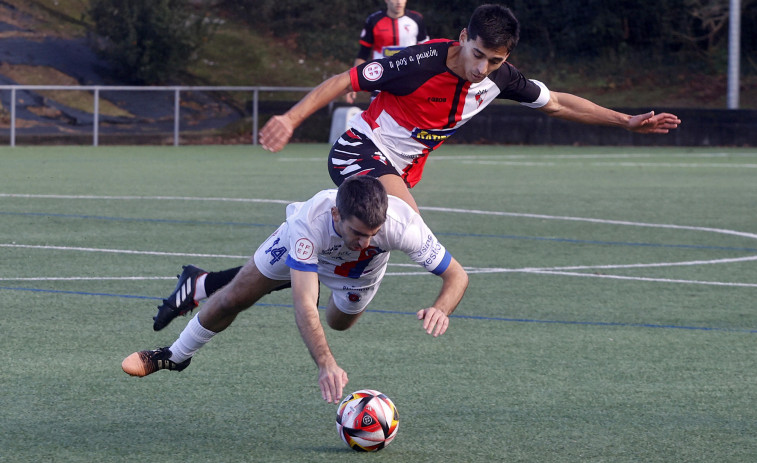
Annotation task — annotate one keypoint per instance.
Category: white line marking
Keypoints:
(670, 164)
(471, 270)
(88, 279)
(119, 251)
(584, 219)
(655, 280)
(536, 157)
(611, 164)
(593, 275)
(553, 271)
(139, 198)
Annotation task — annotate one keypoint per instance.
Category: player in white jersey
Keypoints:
(341, 238)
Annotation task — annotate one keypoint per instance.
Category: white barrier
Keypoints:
(96, 89)
(339, 121)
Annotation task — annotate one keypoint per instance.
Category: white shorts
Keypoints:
(351, 295)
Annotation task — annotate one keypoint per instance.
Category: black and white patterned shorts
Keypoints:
(355, 154)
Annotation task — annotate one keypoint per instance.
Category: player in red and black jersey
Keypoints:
(427, 92)
(395, 27)
(387, 32)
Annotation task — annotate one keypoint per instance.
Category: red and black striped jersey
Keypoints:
(381, 31)
(422, 102)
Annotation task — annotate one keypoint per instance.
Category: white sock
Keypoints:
(200, 293)
(190, 340)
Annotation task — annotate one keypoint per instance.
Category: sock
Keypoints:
(217, 280)
(190, 340)
(200, 292)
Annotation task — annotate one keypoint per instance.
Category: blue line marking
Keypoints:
(463, 317)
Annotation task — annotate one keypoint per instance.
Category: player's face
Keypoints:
(395, 8)
(479, 61)
(356, 235)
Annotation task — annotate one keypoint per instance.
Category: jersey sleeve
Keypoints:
(515, 86)
(422, 246)
(366, 38)
(422, 32)
(401, 73)
(306, 236)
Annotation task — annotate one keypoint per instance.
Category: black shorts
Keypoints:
(355, 154)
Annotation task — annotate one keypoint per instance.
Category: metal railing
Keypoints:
(96, 89)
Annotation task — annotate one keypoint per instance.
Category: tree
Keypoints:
(147, 41)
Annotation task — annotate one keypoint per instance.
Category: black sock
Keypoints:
(217, 280)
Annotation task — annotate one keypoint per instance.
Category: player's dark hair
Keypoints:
(496, 25)
(364, 198)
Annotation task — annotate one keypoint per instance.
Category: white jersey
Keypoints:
(316, 246)
(308, 242)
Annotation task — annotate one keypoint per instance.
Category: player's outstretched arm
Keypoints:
(331, 378)
(653, 123)
(278, 130)
(350, 96)
(574, 108)
(454, 283)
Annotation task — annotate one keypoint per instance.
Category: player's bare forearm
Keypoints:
(305, 297)
(454, 283)
(277, 132)
(574, 108)
(319, 97)
(331, 377)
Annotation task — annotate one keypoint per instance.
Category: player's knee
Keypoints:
(336, 326)
(340, 321)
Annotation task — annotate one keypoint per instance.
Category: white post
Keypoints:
(13, 116)
(176, 117)
(734, 53)
(255, 96)
(96, 119)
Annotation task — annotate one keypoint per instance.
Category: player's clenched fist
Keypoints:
(276, 133)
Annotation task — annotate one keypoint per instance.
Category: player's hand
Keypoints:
(434, 321)
(350, 97)
(332, 380)
(651, 123)
(276, 133)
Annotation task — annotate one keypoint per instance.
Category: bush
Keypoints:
(147, 41)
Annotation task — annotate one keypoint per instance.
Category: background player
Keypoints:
(387, 31)
(342, 238)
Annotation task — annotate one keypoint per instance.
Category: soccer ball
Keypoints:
(367, 420)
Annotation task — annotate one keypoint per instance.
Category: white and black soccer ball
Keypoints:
(367, 420)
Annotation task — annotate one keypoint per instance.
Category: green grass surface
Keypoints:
(583, 336)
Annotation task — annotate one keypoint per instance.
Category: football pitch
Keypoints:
(611, 314)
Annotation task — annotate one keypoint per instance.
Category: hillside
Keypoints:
(44, 43)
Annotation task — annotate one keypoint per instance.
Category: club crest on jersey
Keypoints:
(431, 138)
(303, 249)
(480, 96)
(373, 71)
